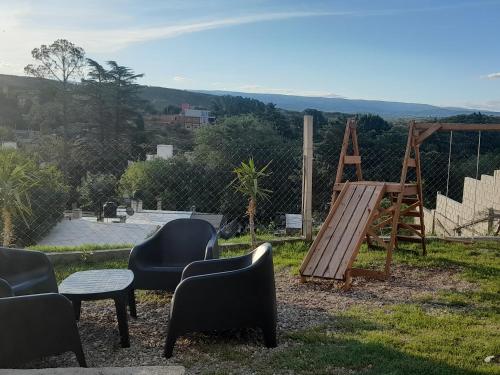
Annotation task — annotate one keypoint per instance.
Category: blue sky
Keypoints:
(436, 52)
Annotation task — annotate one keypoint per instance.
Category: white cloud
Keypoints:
(492, 76)
(269, 90)
(489, 105)
(19, 34)
(181, 79)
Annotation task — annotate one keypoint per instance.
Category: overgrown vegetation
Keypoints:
(32, 198)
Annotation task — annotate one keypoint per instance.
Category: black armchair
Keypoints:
(33, 325)
(158, 262)
(27, 272)
(223, 294)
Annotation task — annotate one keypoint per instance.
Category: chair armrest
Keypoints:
(48, 309)
(35, 326)
(138, 251)
(212, 249)
(204, 267)
(17, 265)
(5, 289)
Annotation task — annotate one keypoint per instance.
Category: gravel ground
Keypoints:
(299, 306)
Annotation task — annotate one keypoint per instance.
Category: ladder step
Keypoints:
(414, 226)
(352, 159)
(411, 213)
(409, 239)
(407, 201)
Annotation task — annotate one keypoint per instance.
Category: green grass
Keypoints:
(450, 332)
(261, 237)
(287, 255)
(398, 339)
(84, 247)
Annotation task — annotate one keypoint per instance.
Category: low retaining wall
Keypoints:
(122, 254)
(69, 257)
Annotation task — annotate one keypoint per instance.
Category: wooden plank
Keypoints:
(343, 152)
(328, 233)
(410, 214)
(397, 211)
(336, 237)
(339, 232)
(409, 239)
(457, 126)
(362, 227)
(323, 228)
(355, 148)
(352, 159)
(412, 163)
(377, 239)
(307, 177)
(371, 274)
(410, 228)
(335, 269)
(427, 133)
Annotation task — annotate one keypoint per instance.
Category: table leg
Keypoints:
(77, 308)
(131, 304)
(121, 303)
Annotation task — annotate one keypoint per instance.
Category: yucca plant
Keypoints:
(15, 184)
(247, 182)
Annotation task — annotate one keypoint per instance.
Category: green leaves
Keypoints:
(16, 180)
(248, 178)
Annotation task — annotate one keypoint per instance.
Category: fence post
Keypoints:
(491, 219)
(307, 170)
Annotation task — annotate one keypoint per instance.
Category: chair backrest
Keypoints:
(185, 240)
(27, 271)
(260, 252)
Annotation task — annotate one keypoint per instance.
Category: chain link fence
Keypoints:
(112, 194)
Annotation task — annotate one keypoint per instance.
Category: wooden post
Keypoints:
(307, 171)
(491, 218)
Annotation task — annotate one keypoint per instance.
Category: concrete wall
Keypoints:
(478, 197)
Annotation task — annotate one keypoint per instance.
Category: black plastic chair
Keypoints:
(158, 262)
(225, 294)
(35, 321)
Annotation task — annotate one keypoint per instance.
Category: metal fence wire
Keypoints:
(111, 194)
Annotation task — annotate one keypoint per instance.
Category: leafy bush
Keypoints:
(96, 189)
(42, 196)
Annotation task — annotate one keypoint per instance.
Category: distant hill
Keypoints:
(381, 108)
(160, 97)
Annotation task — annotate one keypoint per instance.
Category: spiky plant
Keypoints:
(247, 182)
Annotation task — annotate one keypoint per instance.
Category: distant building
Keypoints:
(162, 152)
(189, 119)
(8, 145)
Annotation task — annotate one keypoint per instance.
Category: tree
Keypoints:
(247, 182)
(97, 189)
(172, 110)
(124, 93)
(97, 91)
(16, 181)
(61, 61)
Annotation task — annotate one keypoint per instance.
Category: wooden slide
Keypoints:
(337, 243)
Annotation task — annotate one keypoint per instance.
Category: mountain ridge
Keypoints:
(160, 97)
(383, 108)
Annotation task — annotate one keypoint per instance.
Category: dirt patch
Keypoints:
(299, 306)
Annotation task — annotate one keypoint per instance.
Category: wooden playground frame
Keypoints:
(351, 223)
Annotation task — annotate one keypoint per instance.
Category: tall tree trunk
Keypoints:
(8, 228)
(251, 215)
